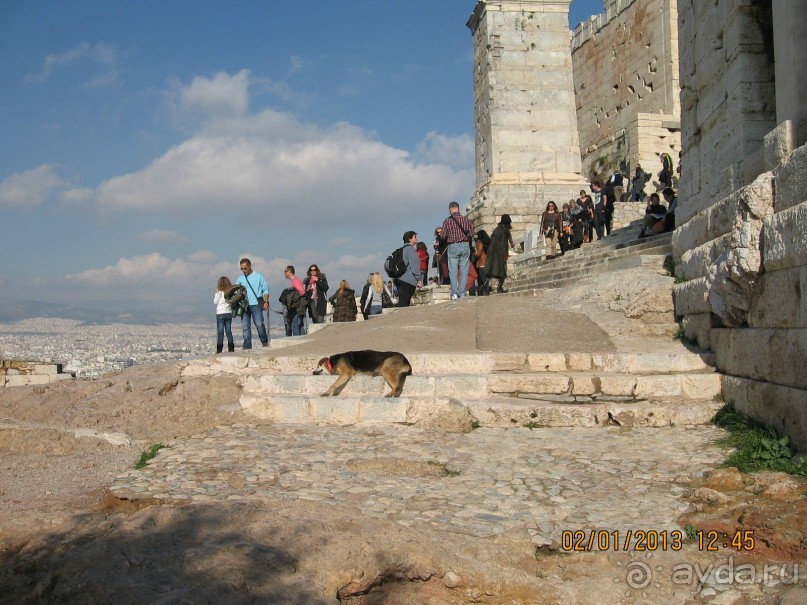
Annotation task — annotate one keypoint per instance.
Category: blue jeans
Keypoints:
(297, 324)
(459, 255)
(224, 323)
(254, 313)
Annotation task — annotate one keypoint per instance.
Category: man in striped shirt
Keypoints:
(458, 231)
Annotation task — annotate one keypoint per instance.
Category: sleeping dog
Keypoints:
(394, 367)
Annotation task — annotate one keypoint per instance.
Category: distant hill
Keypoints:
(11, 311)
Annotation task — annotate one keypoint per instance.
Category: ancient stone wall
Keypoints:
(741, 244)
(626, 86)
(14, 373)
(527, 149)
(728, 99)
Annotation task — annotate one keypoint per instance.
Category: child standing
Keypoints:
(224, 315)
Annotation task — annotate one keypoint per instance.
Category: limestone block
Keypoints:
(657, 362)
(384, 410)
(286, 409)
(778, 145)
(791, 180)
(529, 383)
(336, 409)
(773, 355)
(691, 297)
(282, 384)
(613, 362)
(780, 300)
(560, 415)
(468, 385)
(698, 328)
(786, 238)
(26, 379)
(621, 385)
(509, 362)
(732, 277)
(585, 385)
(701, 386)
(45, 369)
(547, 362)
(658, 387)
(784, 408)
(695, 263)
(579, 362)
(443, 363)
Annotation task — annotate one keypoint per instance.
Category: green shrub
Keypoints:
(148, 455)
(757, 446)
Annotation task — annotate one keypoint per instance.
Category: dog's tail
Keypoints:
(406, 366)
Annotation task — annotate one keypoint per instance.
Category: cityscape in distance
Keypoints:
(89, 350)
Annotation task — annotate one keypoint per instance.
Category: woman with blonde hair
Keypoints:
(224, 315)
(374, 305)
(344, 303)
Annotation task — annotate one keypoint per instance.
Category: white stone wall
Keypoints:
(527, 147)
(742, 241)
(627, 87)
(15, 373)
(728, 100)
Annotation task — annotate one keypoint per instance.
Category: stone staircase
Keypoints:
(623, 249)
(487, 389)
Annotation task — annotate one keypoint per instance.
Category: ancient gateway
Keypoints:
(544, 121)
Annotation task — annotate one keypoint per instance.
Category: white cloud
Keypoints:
(222, 94)
(162, 236)
(100, 53)
(202, 257)
(30, 188)
(201, 268)
(272, 162)
(155, 278)
(457, 152)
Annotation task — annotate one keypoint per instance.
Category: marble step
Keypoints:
(680, 360)
(578, 386)
(560, 277)
(495, 412)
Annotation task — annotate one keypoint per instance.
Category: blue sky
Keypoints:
(148, 145)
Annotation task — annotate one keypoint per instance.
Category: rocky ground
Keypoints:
(65, 538)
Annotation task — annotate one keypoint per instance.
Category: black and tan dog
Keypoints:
(394, 367)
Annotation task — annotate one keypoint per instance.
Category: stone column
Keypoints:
(527, 146)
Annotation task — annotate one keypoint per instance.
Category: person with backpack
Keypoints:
(409, 280)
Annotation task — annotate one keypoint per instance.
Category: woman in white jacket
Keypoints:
(224, 315)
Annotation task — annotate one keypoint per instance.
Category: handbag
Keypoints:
(261, 301)
(386, 301)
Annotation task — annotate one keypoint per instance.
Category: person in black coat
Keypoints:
(316, 290)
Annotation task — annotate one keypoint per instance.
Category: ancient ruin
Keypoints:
(626, 86)
(527, 149)
(741, 245)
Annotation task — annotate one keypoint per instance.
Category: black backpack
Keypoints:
(395, 266)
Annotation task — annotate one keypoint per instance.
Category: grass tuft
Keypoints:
(148, 455)
(757, 446)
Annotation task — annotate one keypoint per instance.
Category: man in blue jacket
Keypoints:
(258, 299)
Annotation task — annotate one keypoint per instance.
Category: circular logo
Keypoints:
(639, 575)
